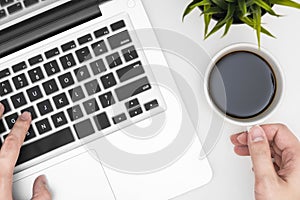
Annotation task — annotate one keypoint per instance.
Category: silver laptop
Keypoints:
(103, 124)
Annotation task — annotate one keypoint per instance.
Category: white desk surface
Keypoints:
(233, 178)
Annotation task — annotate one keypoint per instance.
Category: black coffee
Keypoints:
(242, 84)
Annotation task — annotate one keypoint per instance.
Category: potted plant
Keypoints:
(228, 12)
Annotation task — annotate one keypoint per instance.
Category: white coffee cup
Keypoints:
(277, 71)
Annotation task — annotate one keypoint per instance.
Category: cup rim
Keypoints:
(277, 70)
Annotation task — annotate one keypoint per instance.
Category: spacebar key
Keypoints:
(45, 145)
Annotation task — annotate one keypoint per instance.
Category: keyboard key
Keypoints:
(76, 94)
(28, 3)
(132, 104)
(36, 75)
(114, 60)
(11, 120)
(67, 61)
(118, 25)
(108, 80)
(92, 87)
(5, 88)
(18, 67)
(45, 107)
(2, 127)
(51, 68)
(35, 60)
(2, 13)
(133, 89)
(50, 87)
(32, 111)
(119, 118)
(68, 46)
(75, 113)
(151, 105)
(30, 134)
(45, 145)
(91, 106)
(6, 106)
(20, 81)
(14, 8)
(59, 119)
(135, 112)
(60, 100)
(66, 80)
(107, 99)
(82, 73)
(5, 2)
(43, 126)
(51, 53)
(130, 53)
(84, 128)
(101, 32)
(4, 73)
(99, 48)
(85, 39)
(119, 39)
(102, 121)
(130, 71)
(34, 93)
(83, 54)
(18, 100)
(98, 67)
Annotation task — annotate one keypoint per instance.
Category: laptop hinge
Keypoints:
(47, 24)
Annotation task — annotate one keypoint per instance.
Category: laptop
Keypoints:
(105, 123)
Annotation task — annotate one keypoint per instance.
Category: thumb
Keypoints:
(261, 155)
(40, 189)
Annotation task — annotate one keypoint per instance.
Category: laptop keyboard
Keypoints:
(94, 84)
(11, 7)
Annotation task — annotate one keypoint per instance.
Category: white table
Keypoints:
(233, 178)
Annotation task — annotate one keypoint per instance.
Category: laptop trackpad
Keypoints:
(81, 177)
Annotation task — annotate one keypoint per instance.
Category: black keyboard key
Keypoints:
(14, 8)
(50, 87)
(92, 87)
(5, 88)
(108, 80)
(59, 119)
(35, 60)
(98, 67)
(34, 93)
(28, 3)
(83, 54)
(51, 53)
(119, 39)
(107, 99)
(130, 53)
(6, 106)
(18, 100)
(5, 2)
(101, 32)
(67, 61)
(82, 73)
(2, 128)
(75, 113)
(36, 75)
(114, 60)
(32, 112)
(85, 39)
(130, 71)
(118, 25)
(84, 128)
(11, 120)
(76, 94)
(119, 118)
(133, 88)
(132, 104)
(45, 145)
(18, 67)
(91, 106)
(66, 80)
(151, 105)
(102, 121)
(135, 112)
(4, 73)
(45, 107)
(43, 126)
(51, 68)
(2, 15)
(20, 81)
(68, 46)
(60, 100)
(99, 48)
(30, 134)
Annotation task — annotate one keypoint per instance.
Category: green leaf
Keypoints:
(289, 3)
(265, 6)
(217, 27)
(212, 10)
(221, 3)
(257, 22)
(194, 5)
(227, 27)
(243, 7)
(250, 23)
(207, 19)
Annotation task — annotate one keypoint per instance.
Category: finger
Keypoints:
(1, 110)
(40, 189)
(242, 150)
(239, 139)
